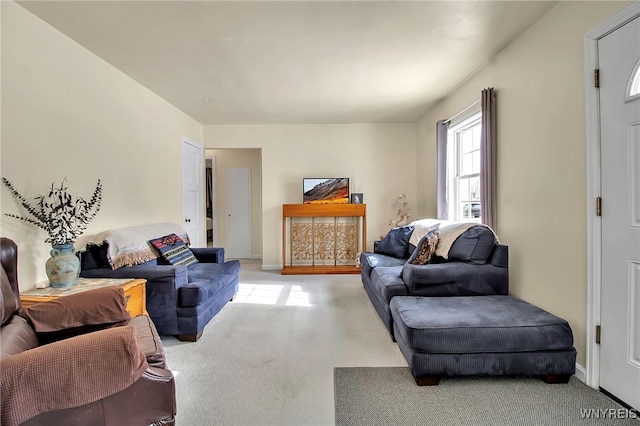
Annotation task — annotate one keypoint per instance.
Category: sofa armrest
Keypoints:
(209, 254)
(455, 279)
(500, 256)
(71, 373)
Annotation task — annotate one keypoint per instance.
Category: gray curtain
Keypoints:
(442, 127)
(488, 156)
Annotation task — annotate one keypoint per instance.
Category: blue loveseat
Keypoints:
(181, 299)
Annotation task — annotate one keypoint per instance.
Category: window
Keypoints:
(464, 169)
(633, 91)
(466, 158)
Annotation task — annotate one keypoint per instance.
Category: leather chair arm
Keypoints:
(71, 373)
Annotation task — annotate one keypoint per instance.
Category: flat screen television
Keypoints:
(325, 190)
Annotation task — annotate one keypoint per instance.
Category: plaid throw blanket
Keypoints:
(130, 246)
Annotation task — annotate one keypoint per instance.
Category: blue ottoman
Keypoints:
(481, 336)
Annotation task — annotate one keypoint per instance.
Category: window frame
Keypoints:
(633, 86)
(454, 164)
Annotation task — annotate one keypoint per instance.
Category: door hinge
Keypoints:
(597, 334)
(598, 206)
(596, 78)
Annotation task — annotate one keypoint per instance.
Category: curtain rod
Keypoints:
(449, 120)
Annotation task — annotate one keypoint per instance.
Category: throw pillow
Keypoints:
(425, 249)
(395, 243)
(174, 250)
(95, 256)
(474, 245)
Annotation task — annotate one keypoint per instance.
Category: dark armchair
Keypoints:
(79, 360)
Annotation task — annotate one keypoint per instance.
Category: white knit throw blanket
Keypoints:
(448, 233)
(130, 246)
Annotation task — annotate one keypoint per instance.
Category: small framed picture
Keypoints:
(356, 198)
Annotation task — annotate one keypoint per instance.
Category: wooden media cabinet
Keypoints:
(316, 241)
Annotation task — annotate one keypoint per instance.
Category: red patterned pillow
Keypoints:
(174, 250)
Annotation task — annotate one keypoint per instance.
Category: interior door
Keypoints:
(238, 213)
(193, 192)
(618, 55)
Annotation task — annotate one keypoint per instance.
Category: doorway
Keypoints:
(238, 212)
(619, 54)
(613, 151)
(192, 190)
(231, 158)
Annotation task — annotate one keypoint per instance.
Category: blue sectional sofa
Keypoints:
(443, 296)
(475, 265)
(181, 299)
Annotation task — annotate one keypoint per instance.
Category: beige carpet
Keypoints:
(268, 357)
(389, 396)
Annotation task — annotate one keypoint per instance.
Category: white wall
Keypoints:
(541, 211)
(67, 113)
(379, 159)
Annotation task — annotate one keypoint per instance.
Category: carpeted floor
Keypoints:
(389, 396)
(268, 357)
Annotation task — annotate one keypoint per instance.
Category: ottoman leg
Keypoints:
(553, 378)
(427, 380)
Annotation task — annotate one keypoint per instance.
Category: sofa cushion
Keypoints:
(369, 261)
(149, 341)
(474, 245)
(425, 249)
(173, 249)
(395, 243)
(387, 282)
(206, 280)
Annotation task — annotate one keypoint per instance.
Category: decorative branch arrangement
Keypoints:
(402, 213)
(63, 217)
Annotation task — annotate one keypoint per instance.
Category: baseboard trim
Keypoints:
(580, 373)
(271, 267)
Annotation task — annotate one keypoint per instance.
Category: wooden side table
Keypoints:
(134, 292)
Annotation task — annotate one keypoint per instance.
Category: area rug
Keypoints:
(389, 396)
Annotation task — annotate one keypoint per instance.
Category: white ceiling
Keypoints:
(279, 62)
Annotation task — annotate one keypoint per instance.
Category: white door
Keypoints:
(618, 55)
(193, 192)
(238, 213)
